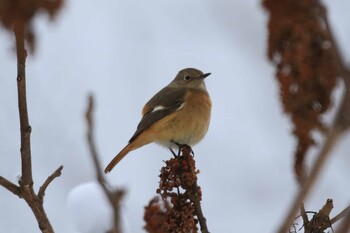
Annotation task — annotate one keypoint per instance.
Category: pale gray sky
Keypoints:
(124, 52)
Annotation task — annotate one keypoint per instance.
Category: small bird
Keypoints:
(179, 114)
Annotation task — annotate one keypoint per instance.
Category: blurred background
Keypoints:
(124, 52)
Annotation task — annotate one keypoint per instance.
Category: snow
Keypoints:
(89, 208)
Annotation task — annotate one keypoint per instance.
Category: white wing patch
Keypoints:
(157, 108)
(160, 107)
(181, 106)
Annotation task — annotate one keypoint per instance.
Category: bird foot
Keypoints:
(184, 148)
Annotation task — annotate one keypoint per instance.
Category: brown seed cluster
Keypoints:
(306, 68)
(156, 215)
(180, 218)
(21, 12)
(177, 184)
(178, 172)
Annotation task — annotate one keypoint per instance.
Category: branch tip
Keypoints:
(47, 182)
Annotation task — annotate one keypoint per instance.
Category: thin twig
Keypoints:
(341, 215)
(303, 214)
(26, 181)
(25, 128)
(90, 139)
(335, 47)
(91, 144)
(194, 196)
(198, 208)
(25, 189)
(20, 23)
(10, 186)
(114, 197)
(345, 224)
(343, 117)
(48, 181)
(328, 145)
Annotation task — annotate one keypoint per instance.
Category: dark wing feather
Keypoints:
(169, 98)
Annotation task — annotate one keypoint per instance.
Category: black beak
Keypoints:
(205, 75)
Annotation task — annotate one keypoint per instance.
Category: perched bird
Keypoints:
(178, 114)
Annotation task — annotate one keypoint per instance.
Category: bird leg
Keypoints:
(175, 155)
(181, 147)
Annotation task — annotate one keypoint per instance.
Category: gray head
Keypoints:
(190, 78)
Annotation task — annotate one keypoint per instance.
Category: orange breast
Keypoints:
(188, 125)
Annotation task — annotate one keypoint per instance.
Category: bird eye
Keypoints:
(187, 77)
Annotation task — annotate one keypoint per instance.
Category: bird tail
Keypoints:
(118, 158)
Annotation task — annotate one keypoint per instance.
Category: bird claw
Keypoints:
(182, 148)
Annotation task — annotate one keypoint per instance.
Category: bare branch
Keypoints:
(90, 139)
(25, 189)
(47, 182)
(303, 214)
(26, 178)
(20, 23)
(320, 221)
(10, 186)
(26, 181)
(341, 215)
(343, 117)
(329, 144)
(114, 197)
(345, 225)
(343, 69)
(194, 194)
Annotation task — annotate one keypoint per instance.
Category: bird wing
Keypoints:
(165, 102)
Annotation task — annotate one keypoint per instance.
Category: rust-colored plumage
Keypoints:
(180, 113)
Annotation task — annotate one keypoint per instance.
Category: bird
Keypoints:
(179, 114)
